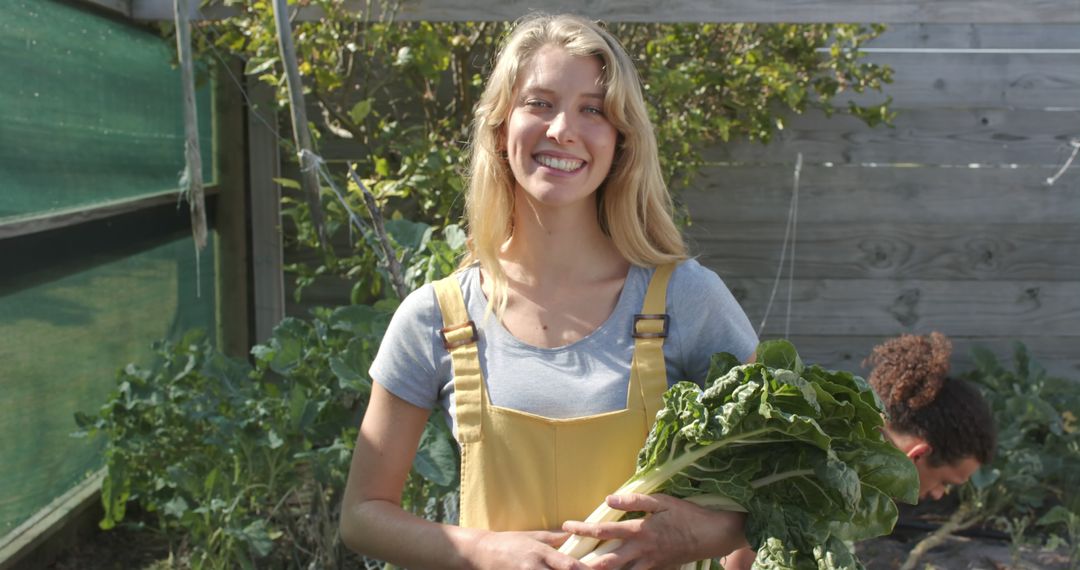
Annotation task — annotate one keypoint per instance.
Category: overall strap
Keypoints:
(459, 337)
(650, 330)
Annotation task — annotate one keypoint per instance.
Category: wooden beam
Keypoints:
(1057, 355)
(839, 307)
(233, 262)
(885, 11)
(24, 540)
(954, 137)
(979, 37)
(897, 250)
(81, 214)
(264, 197)
(120, 7)
(969, 196)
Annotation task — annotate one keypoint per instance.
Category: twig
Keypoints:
(392, 263)
(955, 523)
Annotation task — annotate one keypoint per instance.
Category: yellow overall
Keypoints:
(521, 471)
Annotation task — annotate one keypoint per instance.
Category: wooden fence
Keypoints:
(944, 221)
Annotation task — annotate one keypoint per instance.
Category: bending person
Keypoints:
(943, 424)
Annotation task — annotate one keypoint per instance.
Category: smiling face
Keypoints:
(559, 144)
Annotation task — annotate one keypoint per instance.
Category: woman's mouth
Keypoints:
(561, 164)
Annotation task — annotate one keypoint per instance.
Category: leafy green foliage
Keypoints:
(796, 446)
(244, 464)
(396, 98)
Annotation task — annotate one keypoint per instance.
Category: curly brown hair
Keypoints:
(911, 376)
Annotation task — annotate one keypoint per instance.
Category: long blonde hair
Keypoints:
(633, 204)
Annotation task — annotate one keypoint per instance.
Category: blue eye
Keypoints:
(594, 110)
(537, 103)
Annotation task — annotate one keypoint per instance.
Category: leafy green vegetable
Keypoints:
(797, 447)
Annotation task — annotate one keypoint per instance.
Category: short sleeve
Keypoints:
(706, 319)
(405, 363)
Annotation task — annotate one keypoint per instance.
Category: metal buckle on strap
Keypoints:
(459, 339)
(645, 317)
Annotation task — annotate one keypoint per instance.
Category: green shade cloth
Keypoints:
(93, 110)
(92, 114)
(63, 343)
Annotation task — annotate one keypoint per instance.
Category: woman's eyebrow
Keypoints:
(538, 90)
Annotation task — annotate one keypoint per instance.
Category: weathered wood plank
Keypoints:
(979, 36)
(233, 264)
(74, 216)
(939, 136)
(931, 136)
(264, 159)
(988, 79)
(118, 7)
(18, 548)
(894, 11)
(723, 194)
(870, 250)
(1008, 309)
(1056, 355)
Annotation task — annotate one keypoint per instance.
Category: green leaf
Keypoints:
(779, 354)
(288, 183)
(360, 111)
(410, 235)
(1059, 515)
(351, 366)
(256, 67)
(436, 458)
(176, 507)
(382, 166)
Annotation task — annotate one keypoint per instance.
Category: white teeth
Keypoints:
(564, 164)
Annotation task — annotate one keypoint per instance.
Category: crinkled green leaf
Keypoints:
(798, 446)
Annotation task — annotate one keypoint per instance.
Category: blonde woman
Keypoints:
(549, 349)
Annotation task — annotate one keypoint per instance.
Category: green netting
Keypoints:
(92, 110)
(64, 341)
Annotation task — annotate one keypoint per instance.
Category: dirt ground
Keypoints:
(129, 550)
(958, 553)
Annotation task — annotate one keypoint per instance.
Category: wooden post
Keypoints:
(233, 267)
(265, 198)
(309, 178)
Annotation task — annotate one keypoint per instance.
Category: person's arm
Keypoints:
(374, 524)
(672, 533)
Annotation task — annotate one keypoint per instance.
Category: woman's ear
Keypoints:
(918, 449)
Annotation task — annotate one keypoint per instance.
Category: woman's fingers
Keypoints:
(604, 531)
(550, 538)
(638, 502)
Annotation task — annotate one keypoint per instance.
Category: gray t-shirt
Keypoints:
(587, 377)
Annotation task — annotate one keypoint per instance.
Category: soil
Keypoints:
(125, 549)
(132, 548)
(958, 553)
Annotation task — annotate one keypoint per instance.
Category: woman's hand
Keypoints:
(534, 550)
(673, 532)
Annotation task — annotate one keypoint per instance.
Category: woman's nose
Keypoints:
(561, 129)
